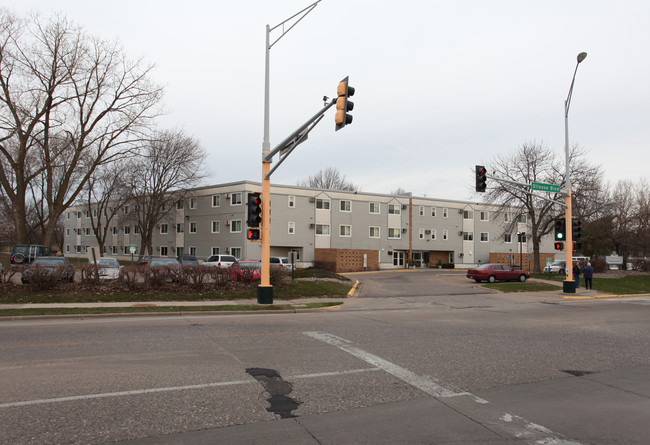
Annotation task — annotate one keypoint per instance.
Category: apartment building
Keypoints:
(212, 220)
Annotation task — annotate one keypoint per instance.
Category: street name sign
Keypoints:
(545, 187)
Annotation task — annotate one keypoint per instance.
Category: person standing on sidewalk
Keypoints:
(576, 273)
(588, 272)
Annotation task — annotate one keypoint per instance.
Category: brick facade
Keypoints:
(346, 260)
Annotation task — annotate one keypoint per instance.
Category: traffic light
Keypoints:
(577, 229)
(254, 210)
(481, 178)
(343, 104)
(253, 234)
(560, 229)
(559, 246)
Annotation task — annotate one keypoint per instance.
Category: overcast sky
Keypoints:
(440, 85)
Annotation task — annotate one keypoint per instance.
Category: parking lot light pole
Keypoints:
(569, 283)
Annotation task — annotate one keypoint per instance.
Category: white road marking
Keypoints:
(470, 405)
(172, 388)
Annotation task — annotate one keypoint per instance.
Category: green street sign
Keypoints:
(545, 187)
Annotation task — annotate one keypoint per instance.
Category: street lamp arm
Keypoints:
(308, 9)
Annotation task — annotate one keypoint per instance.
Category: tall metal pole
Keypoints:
(265, 290)
(569, 283)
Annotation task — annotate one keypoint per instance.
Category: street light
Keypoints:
(569, 283)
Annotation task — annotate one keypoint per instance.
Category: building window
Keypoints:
(291, 228)
(468, 236)
(485, 216)
(127, 230)
(433, 212)
(216, 226)
(216, 200)
(345, 231)
(323, 229)
(346, 206)
(215, 251)
(445, 213)
(394, 209)
(445, 235)
(507, 217)
(292, 201)
(322, 204)
(522, 218)
(421, 210)
(114, 250)
(114, 230)
(180, 204)
(67, 246)
(127, 250)
(67, 232)
(468, 214)
(421, 233)
(507, 238)
(164, 229)
(374, 208)
(235, 226)
(236, 252)
(433, 234)
(235, 199)
(180, 228)
(374, 232)
(126, 210)
(179, 251)
(193, 250)
(192, 227)
(394, 233)
(87, 231)
(136, 230)
(485, 237)
(163, 251)
(192, 203)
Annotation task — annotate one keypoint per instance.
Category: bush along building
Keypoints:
(341, 230)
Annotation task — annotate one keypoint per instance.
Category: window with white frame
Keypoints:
(433, 234)
(345, 230)
(215, 251)
(180, 228)
(421, 210)
(67, 247)
(322, 204)
(394, 209)
(433, 211)
(114, 230)
(421, 233)
(193, 227)
(445, 235)
(235, 199)
(114, 250)
(374, 208)
(180, 204)
(394, 233)
(291, 228)
(374, 232)
(216, 200)
(127, 230)
(445, 213)
(292, 201)
(235, 226)
(507, 238)
(163, 250)
(507, 217)
(216, 226)
(236, 252)
(126, 209)
(164, 229)
(323, 229)
(136, 230)
(485, 237)
(468, 236)
(192, 203)
(179, 251)
(468, 214)
(193, 250)
(87, 231)
(523, 218)
(485, 215)
(346, 206)
(67, 232)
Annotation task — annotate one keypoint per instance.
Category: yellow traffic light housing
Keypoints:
(343, 104)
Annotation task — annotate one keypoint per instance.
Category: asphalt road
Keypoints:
(468, 366)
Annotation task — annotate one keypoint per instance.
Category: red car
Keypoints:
(494, 272)
(246, 270)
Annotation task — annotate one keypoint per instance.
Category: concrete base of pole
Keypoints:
(569, 287)
(265, 294)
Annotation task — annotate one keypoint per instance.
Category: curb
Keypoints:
(354, 289)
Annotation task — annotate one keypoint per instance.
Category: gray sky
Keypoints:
(440, 85)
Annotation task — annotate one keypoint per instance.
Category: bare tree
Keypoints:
(105, 190)
(160, 177)
(534, 162)
(70, 103)
(329, 179)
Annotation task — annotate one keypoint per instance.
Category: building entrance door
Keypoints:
(398, 258)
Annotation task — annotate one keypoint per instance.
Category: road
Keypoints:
(473, 367)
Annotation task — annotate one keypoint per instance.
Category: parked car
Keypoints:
(188, 260)
(555, 267)
(246, 270)
(224, 261)
(493, 272)
(167, 266)
(26, 253)
(109, 268)
(57, 266)
(281, 261)
(144, 260)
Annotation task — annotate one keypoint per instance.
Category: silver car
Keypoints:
(224, 261)
(109, 269)
(555, 267)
